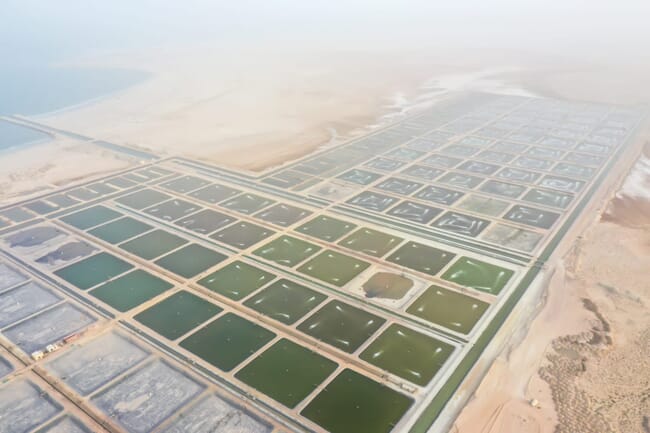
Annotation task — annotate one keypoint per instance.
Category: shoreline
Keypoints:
(86, 101)
(48, 137)
(83, 104)
(14, 148)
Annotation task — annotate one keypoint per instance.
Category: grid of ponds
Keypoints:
(111, 373)
(306, 286)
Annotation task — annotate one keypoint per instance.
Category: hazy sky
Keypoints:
(43, 29)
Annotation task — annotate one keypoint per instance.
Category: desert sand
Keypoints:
(258, 110)
(34, 169)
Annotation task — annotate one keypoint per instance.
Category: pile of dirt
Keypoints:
(387, 286)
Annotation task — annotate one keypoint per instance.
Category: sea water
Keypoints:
(33, 90)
